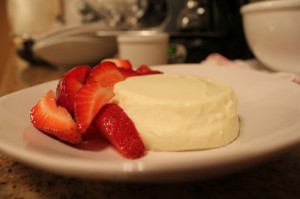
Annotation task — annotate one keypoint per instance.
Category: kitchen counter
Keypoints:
(279, 178)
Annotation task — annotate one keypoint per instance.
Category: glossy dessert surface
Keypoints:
(178, 113)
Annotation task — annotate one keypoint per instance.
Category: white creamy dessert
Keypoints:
(178, 113)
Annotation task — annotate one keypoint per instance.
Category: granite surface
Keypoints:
(276, 179)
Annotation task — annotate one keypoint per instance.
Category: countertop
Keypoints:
(279, 178)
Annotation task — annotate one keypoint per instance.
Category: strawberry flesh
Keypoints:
(146, 70)
(119, 129)
(106, 73)
(89, 100)
(54, 120)
(81, 108)
(128, 72)
(120, 63)
(68, 86)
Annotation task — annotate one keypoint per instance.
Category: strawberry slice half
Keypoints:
(120, 63)
(54, 120)
(68, 86)
(89, 100)
(106, 73)
(128, 72)
(146, 70)
(119, 129)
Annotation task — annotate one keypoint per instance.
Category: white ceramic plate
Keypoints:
(268, 107)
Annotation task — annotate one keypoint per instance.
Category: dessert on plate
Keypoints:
(138, 110)
(175, 113)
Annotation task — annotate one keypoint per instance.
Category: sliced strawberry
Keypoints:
(120, 63)
(89, 100)
(68, 86)
(146, 70)
(106, 73)
(118, 128)
(128, 72)
(54, 120)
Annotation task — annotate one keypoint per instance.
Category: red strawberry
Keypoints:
(118, 128)
(68, 86)
(128, 72)
(54, 120)
(120, 63)
(106, 73)
(146, 70)
(89, 100)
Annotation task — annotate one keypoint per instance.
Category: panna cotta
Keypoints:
(179, 113)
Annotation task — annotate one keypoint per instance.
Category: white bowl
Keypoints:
(144, 47)
(272, 30)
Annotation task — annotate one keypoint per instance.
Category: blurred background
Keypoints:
(4, 34)
(64, 32)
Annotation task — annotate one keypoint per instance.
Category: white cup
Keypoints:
(144, 47)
